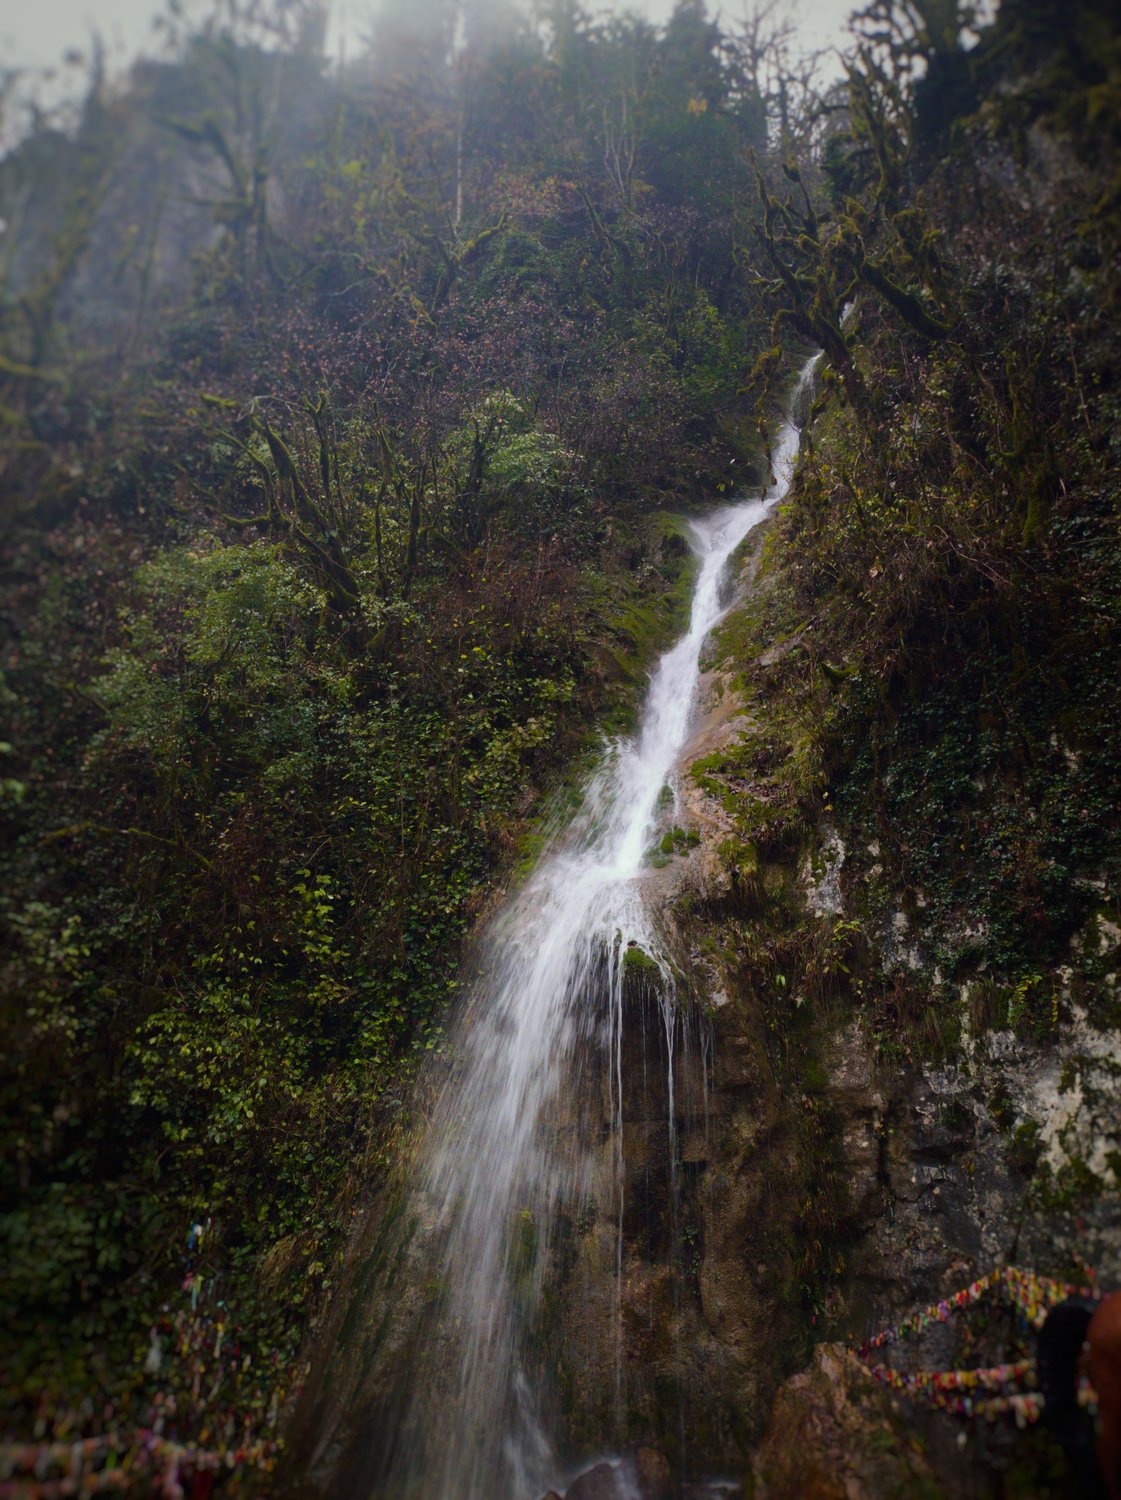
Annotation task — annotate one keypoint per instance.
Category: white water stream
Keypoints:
(494, 1171)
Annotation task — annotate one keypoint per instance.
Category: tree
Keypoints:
(919, 51)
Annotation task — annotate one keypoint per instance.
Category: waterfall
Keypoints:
(495, 1170)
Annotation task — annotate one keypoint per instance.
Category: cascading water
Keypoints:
(494, 1172)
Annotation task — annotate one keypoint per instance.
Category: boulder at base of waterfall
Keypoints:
(604, 1482)
(837, 1435)
(652, 1475)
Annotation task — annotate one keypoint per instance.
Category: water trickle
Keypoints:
(496, 1167)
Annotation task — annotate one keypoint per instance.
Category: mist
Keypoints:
(52, 41)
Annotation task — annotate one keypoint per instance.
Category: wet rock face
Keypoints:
(664, 1329)
(674, 1331)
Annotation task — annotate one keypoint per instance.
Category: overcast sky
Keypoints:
(36, 33)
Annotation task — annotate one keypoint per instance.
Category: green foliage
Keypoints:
(936, 648)
(280, 850)
(336, 512)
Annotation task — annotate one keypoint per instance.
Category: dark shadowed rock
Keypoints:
(653, 1475)
(604, 1482)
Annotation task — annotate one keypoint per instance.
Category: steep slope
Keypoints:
(914, 831)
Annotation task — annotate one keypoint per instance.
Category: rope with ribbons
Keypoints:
(210, 1418)
(118, 1461)
(998, 1390)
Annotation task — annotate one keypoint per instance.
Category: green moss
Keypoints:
(528, 852)
(1026, 1147)
(678, 840)
(641, 626)
(638, 965)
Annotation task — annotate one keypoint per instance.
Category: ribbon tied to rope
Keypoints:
(995, 1391)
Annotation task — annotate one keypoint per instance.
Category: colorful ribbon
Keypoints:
(988, 1393)
(217, 1411)
(1031, 1295)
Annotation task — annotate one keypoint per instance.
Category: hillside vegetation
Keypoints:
(341, 416)
(944, 580)
(347, 418)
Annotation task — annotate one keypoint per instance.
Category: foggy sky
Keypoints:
(39, 32)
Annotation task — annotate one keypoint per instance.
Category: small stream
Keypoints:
(498, 1167)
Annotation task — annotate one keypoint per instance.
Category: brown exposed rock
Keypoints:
(836, 1435)
(653, 1475)
(646, 1473)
